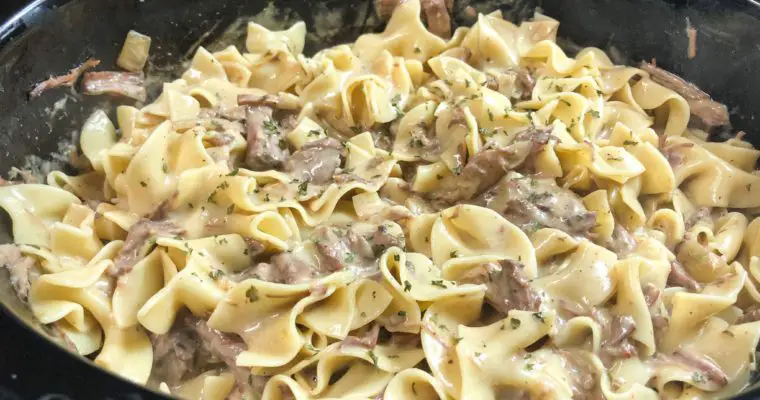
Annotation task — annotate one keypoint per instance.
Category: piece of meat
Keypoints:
(384, 8)
(703, 213)
(316, 161)
(219, 139)
(25, 175)
(266, 148)
(616, 342)
(583, 379)
(621, 242)
(703, 365)
(507, 287)
(401, 339)
(368, 340)
(488, 166)
(174, 354)
(423, 138)
(438, 19)
(752, 314)
(679, 277)
(436, 14)
(281, 268)
(675, 153)
(525, 83)
(278, 101)
(533, 203)
(123, 84)
(515, 83)
(341, 247)
(64, 80)
(226, 347)
(137, 236)
(511, 393)
(706, 114)
(22, 269)
(691, 33)
(651, 294)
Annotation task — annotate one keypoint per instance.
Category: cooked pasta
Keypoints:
(405, 217)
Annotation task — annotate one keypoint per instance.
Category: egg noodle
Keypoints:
(498, 220)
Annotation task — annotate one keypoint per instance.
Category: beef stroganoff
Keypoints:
(422, 214)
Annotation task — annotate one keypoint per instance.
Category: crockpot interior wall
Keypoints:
(56, 35)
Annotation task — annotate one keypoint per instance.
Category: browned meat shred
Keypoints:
(270, 100)
(706, 114)
(266, 147)
(340, 247)
(526, 83)
(533, 203)
(621, 242)
(220, 139)
(64, 80)
(422, 137)
(752, 314)
(582, 377)
(703, 365)
(281, 268)
(651, 293)
(367, 340)
(703, 213)
(679, 277)
(436, 14)
(23, 270)
(438, 19)
(507, 286)
(124, 84)
(316, 161)
(191, 347)
(174, 354)
(616, 342)
(137, 236)
(25, 175)
(488, 166)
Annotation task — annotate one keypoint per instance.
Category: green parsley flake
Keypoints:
(271, 127)
(514, 323)
(539, 316)
(303, 188)
(439, 283)
(252, 294)
(407, 286)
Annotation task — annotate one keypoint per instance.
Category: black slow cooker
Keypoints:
(50, 36)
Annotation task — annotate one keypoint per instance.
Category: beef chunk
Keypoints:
(357, 245)
(123, 84)
(488, 166)
(706, 114)
(507, 286)
(69, 79)
(533, 203)
(137, 237)
(316, 161)
(23, 270)
(266, 147)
